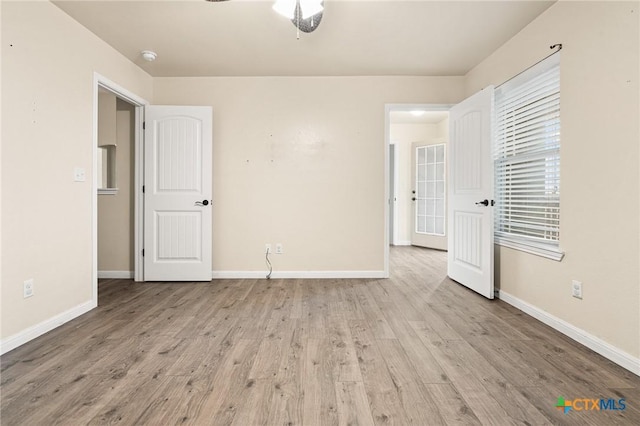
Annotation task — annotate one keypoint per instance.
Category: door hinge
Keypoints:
(144, 125)
(143, 189)
(142, 252)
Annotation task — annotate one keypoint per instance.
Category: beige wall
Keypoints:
(106, 117)
(47, 79)
(300, 161)
(115, 212)
(1, 203)
(599, 180)
(106, 138)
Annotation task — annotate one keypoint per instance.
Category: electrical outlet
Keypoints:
(79, 174)
(576, 289)
(27, 288)
(267, 248)
(279, 248)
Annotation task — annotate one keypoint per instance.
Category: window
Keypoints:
(430, 174)
(527, 160)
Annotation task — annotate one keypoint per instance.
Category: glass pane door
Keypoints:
(430, 184)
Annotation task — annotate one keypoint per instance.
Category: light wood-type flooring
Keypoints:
(415, 349)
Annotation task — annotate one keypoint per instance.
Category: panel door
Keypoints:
(178, 193)
(470, 218)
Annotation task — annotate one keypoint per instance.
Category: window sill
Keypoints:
(538, 250)
(107, 191)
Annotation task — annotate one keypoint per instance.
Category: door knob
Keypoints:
(483, 202)
(202, 203)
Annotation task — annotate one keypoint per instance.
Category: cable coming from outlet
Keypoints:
(269, 265)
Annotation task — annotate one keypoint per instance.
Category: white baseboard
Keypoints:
(594, 343)
(296, 274)
(120, 275)
(403, 243)
(32, 332)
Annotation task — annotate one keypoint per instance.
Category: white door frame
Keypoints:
(388, 108)
(392, 203)
(100, 81)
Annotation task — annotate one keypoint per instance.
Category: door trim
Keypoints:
(139, 103)
(393, 203)
(388, 108)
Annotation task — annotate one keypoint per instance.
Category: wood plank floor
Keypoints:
(413, 349)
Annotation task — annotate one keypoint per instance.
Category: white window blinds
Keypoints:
(527, 157)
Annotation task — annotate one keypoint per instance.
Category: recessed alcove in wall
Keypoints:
(107, 182)
(107, 143)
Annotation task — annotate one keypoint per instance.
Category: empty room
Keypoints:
(317, 212)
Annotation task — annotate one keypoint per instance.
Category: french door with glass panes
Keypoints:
(429, 196)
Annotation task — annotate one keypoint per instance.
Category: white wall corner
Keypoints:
(594, 343)
(37, 330)
(297, 274)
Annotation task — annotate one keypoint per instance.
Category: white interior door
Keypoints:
(470, 257)
(177, 193)
(428, 195)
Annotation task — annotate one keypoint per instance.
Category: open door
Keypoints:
(470, 218)
(177, 193)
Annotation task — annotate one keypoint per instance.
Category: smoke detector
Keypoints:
(148, 55)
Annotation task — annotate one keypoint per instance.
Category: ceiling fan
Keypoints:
(304, 14)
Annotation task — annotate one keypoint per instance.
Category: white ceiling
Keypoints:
(357, 37)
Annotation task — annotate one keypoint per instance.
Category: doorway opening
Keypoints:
(115, 172)
(117, 149)
(416, 169)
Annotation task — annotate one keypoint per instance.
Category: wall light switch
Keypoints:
(79, 174)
